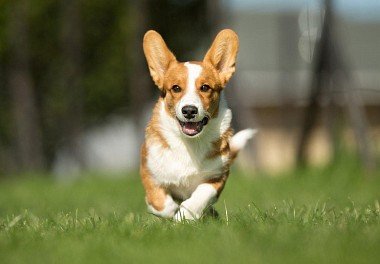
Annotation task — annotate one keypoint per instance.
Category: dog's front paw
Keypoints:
(184, 214)
(169, 208)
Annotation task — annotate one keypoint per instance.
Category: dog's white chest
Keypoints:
(182, 166)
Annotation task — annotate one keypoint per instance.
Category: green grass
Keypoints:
(329, 215)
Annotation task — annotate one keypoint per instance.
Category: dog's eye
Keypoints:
(205, 88)
(176, 89)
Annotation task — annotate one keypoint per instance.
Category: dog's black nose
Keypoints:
(189, 111)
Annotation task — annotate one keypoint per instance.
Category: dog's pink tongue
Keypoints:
(190, 128)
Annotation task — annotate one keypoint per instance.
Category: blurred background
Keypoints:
(75, 92)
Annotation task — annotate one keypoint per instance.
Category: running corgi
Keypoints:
(189, 143)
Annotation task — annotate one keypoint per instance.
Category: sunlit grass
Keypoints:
(328, 215)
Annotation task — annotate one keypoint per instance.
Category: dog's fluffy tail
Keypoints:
(239, 140)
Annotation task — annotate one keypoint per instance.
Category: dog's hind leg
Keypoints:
(211, 212)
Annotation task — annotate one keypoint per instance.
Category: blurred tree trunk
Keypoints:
(72, 75)
(139, 79)
(27, 134)
(330, 70)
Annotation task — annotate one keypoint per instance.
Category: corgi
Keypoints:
(189, 143)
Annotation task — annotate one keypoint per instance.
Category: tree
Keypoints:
(330, 70)
(27, 142)
(72, 75)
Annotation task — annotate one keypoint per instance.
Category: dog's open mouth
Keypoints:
(193, 128)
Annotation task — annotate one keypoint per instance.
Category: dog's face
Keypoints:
(191, 90)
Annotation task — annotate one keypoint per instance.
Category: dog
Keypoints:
(189, 143)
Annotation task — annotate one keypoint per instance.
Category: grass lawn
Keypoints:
(325, 215)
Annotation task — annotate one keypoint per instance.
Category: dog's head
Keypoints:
(191, 90)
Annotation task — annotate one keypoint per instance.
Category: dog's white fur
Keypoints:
(191, 97)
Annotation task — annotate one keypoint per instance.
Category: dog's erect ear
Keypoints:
(222, 54)
(157, 55)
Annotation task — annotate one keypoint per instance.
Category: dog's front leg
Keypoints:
(165, 208)
(158, 200)
(203, 196)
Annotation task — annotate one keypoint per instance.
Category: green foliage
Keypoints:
(329, 215)
(105, 34)
(106, 61)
